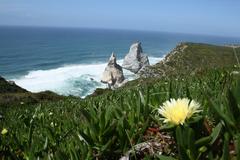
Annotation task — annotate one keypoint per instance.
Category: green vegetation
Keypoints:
(189, 58)
(11, 94)
(114, 123)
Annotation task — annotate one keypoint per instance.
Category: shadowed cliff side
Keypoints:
(12, 94)
(10, 87)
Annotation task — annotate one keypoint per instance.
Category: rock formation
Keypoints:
(113, 73)
(135, 59)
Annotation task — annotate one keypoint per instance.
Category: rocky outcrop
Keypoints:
(113, 73)
(135, 59)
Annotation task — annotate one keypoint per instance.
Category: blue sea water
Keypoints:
(64, 60)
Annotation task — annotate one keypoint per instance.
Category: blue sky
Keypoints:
(213, 17)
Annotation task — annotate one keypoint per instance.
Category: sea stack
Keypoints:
(113, 73)
(135, 60)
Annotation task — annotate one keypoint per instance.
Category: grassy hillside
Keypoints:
(188, 58)
(125, 122)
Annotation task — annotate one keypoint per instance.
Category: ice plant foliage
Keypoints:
(177, 111)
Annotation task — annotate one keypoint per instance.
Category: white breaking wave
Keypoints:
(78, 80)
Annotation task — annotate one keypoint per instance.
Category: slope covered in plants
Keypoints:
(188, 58)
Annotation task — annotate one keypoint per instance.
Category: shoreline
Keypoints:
(61, 78)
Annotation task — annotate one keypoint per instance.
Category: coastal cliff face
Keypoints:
(189, 58)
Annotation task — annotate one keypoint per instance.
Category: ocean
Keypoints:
(70, 61)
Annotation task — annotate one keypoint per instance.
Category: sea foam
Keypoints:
(78, 80)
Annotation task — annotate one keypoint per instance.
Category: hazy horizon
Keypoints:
(218, 18)
(118, 29)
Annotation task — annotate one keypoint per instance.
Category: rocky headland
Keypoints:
(190, 58)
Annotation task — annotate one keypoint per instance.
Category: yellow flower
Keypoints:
(177, 111)
(4, 131)
(52, 124)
